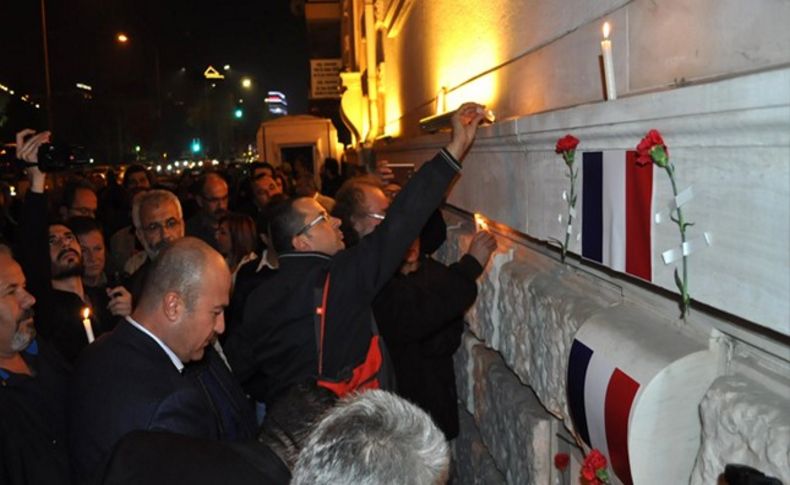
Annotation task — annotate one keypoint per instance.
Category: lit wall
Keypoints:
(524, 57)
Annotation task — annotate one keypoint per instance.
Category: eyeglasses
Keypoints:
(169, 224)
(323, 216)
(376, 215)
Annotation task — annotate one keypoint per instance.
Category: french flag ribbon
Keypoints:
(617, 204)
(600, 397)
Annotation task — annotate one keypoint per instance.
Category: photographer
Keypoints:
(55, 280)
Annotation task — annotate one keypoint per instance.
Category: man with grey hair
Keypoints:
(374, 438)
(135, 378)
(158, 220)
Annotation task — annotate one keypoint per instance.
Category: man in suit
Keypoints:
(133, 378)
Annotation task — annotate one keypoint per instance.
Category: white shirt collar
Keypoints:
(173, 357)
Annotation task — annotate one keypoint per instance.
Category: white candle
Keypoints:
(608, 65)
(86, 322)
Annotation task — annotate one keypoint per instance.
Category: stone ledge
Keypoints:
(743, 422)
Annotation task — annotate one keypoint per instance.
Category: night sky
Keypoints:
(262, 39)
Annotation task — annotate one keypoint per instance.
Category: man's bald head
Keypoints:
(179, 268)
(185, 296)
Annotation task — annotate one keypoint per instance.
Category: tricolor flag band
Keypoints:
(617, 200)
(600, 397)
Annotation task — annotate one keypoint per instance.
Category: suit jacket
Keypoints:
(154, 458)
(124, 382)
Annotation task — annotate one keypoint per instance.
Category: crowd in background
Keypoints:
(233, 323)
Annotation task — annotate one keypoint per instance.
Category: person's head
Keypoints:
(361, 205)
(331, 167)
(258, 169)
(290, 419)
(213, 195)
(374, 438)
(184, 297)
(65, 254)
(135, 179)
(264, 187)
(157, 219)
(79, 199)
(236, 237)
(302, 225)
(91, 241)
(16, 308)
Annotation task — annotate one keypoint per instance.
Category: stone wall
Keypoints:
(512, 364)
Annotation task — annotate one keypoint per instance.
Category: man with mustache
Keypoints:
(55, 280)
(212, 199)
(140, 376)
(32, 390)
(158, 220)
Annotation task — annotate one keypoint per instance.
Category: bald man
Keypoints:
(212, 198)
(135, 377)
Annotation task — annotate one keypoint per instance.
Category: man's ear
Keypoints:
(173, 306)
(301, 243)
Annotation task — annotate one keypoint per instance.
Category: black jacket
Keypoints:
(125, 382)
(33, 420)
(420, 316)
(276, 345)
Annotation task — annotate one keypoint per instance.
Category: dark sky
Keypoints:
(262, 39)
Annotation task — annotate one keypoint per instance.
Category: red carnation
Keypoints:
(652, 149)
(596, 459)
(561, 461)
(594, 468)
(566, 144)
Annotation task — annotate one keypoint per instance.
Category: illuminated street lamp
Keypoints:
(122, 38)
(246, 83)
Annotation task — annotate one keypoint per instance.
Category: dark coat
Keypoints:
(33, 420)
(420, 316)
(276, 345)
(154, 458)
(124, 382)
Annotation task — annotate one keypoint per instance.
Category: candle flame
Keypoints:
(86, 312)
(480, 222)
(606, 30)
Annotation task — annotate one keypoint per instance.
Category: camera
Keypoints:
(52, 157)
(56, 157)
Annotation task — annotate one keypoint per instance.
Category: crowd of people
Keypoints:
(243, 327)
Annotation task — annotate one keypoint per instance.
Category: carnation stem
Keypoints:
(686, 300)
(571, 201)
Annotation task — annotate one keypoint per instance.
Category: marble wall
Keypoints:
(511, 372)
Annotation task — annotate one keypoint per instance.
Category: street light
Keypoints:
(246, 83)
(122, 38)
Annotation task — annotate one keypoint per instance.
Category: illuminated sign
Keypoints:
(211, 73)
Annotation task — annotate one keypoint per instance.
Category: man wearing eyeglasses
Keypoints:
(313, 319)
(157, 220)
(213, 202)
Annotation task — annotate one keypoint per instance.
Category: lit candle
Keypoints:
(608, 65)
(480, 223)
(86, 322)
